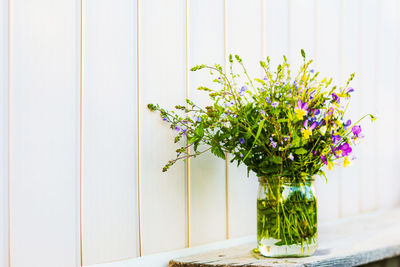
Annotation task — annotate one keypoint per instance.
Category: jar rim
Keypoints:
(286, 179)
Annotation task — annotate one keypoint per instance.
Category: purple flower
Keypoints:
(262, 112)
(198, 119)
(241, 155)
(268, 100)
(291, 156)
(301, 109)
(265, 78)
(350, 89)
(242, 90)
(346, 124)
(241, 140)
(184, 132)
(274, 144)
(312, 126)
(177, 128)
(164, 119)
(335, 98)
(274, 104)
(334, 151)
(312, 71)
(336, 139)
(307, 130)
(345, 149)
(277, 84)
(356, 129)
(323, 158)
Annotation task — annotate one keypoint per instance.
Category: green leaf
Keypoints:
(303, 54)
(196, 145)
(255, 140)
(300, 151)
(199, 131)
(192, 140)
(296, 141)
(151, 107)
(198, 67)
(238, 58)
(217, 151)
(276, 159)
(202, 88)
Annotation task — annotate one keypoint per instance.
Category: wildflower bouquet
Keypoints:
(284, 128)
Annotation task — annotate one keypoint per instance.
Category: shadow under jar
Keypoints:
(286, 217)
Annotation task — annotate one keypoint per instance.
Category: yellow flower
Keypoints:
(300, 113)
(338, 153)
(330, 165)
(346, 162)
(306, 132)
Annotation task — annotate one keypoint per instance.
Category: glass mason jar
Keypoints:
(286, 217)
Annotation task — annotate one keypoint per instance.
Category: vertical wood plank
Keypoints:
(162, 68)
(44, 133)
(386, 102)
(328, 64)
(109, 217)
(301, 31)
(276, 30)
(350, 42)
(396, 114)
(244, 31)
(207, 173)
(368, 74)
(4, 133)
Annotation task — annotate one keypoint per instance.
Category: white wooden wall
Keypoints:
(81, 156)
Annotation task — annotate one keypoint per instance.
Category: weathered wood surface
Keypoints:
(348, 242)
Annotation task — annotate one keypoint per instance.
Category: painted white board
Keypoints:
(387, 103)
(350, 63)
(368, 73)
(206, 46)
(327, 40)
(109, 217)
(162, 81)
(4, 133)
(244, 31)
(276, 19)
(44, 133)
